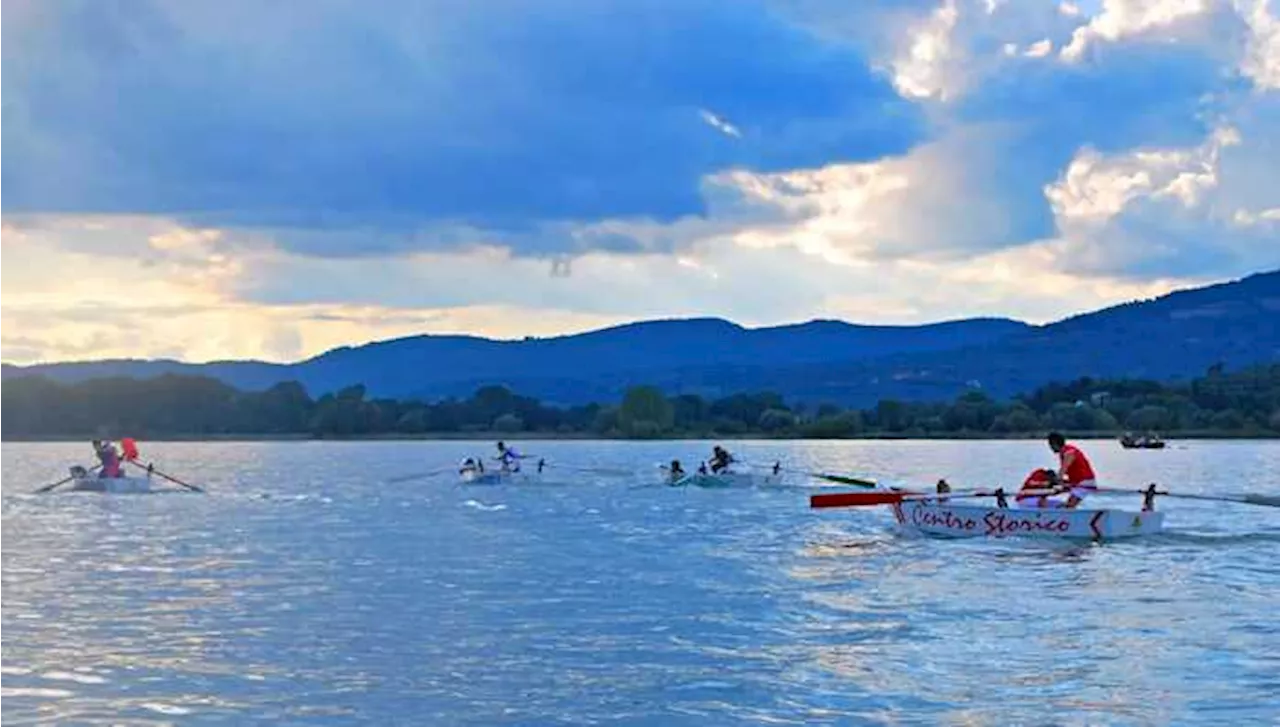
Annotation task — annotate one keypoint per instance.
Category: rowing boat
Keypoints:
(931, 517)
(498, 477)
(726, 480)
(127, 485)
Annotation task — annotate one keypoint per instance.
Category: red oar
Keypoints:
(863, 499)
(856, 499)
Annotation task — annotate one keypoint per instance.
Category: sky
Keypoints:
(207, 180)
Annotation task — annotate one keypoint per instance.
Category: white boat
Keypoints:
(498, 477)
(969, 521)
(127, 485)
(726, 479)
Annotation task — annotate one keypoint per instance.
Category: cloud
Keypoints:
(240, 179)
(420, 118)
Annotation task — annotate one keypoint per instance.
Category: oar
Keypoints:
(588, 470)
(417, 475)
(57, 484)
(839, 479)
(1244, 499)
(151, 469)
(866, 499)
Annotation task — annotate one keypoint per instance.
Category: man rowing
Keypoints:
(1037, 488)
(509, 458)
(471, 466)
(720, 459)
(1075, 474)
(108, 457)
(675, 472)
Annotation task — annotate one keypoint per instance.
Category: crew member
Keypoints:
(1075, 474)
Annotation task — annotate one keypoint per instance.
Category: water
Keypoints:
(306, 589)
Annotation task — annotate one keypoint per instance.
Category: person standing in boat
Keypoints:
(1074, 471)
(720, 459)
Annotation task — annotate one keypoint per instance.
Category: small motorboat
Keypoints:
(1129, 441)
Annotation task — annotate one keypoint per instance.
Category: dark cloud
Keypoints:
(420, 116)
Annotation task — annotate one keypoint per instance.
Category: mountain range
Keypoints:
(1172, 337)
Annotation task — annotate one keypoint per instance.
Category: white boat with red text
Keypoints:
(960, 515)
(955, 520)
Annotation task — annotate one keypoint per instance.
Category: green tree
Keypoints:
(833, 426)
(508, 423)
(1148, 417)
(776, 420)
(645, 404)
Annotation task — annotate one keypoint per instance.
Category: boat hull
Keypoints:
(727, 480)
(112, 485)
(972, 521)
(497, 477)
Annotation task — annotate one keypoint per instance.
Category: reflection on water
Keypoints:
(307, 588)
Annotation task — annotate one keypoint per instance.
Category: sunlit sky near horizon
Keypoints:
(207, 180)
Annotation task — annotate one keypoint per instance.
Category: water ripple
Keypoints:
(305, 589)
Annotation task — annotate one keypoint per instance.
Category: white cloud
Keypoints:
(921, 70)
(1039, 49)
(1125, 18)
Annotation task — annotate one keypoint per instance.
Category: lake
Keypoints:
(307, 587)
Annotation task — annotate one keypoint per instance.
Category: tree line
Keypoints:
(1242, 403)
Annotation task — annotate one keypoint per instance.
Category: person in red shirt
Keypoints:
(1037, 488)
(1074, 471)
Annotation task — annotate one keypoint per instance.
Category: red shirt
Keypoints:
(1079, 470)
(1039, 486)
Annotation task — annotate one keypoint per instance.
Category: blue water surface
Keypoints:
(310, 587)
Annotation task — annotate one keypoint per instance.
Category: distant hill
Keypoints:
(1173, 337)
(435, 366)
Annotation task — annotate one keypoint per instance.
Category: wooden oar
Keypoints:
(418, 475)
(866, 499)
(151, 469)
(839, 479)
(1244, 499)
(587, 470)
(47, 488)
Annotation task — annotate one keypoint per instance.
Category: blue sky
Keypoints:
(210, 180)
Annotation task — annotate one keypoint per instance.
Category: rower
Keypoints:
(944, 488)
(509, 458)
(1037, 488)
(675, 471)
(1074, 472)
(1149, 498)
(106, 452)
(468, 467)
(720, 459)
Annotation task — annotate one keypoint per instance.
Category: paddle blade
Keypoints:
(1268, 500)
(854, 499)
(130, 448)
(855, 481)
